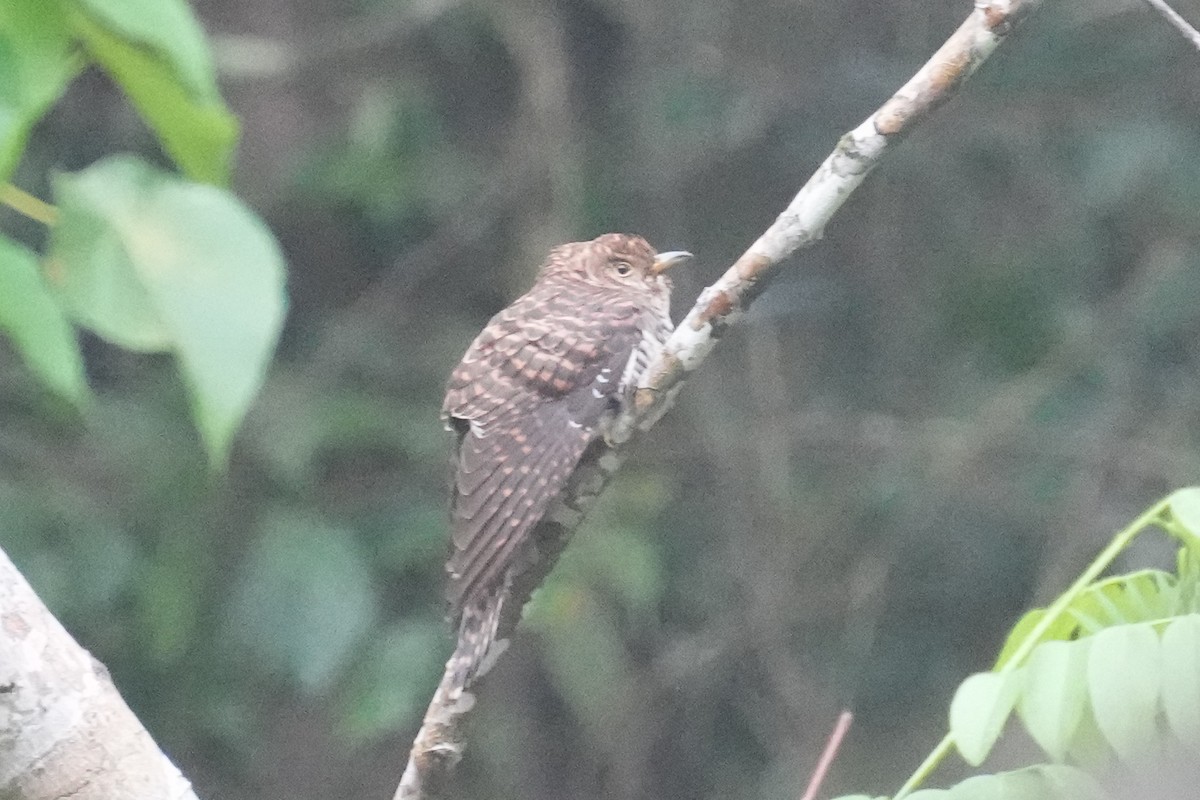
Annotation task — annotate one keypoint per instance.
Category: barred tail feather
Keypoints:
(478, 647)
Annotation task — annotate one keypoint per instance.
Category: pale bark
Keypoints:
(65, 732)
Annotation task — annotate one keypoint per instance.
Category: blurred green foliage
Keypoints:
(1091, 674)
(35, 51)
(145, 260)
(153, 263)
(303, 602)
(156, 51)
(38, 327)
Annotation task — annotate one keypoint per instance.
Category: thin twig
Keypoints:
(24, 203)
(827, 755)
(719, 306)
(1189, 33)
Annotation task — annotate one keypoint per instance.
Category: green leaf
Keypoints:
(37, 325)
(303, 601)
(1185, 510)
(1181, 678)
(1017, 785)
(195, 127)
(1138, 597)
(36, 65)
(1069, 783)
(1052, 703)
(1088, 746)
(1060, 629)
(979, 710)
(1124, 676)
(90, 266)
(169, 28)
(1041, 782)
(152, 262)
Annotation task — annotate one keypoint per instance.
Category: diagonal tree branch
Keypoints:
(1173, 17)
(438, 745)
(803, 221)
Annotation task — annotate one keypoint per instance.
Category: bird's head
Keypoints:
(615, 261)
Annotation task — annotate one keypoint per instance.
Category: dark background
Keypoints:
(931, 421)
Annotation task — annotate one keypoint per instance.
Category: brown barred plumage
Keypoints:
(543, 380)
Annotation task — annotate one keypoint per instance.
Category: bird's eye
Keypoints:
(623, 268)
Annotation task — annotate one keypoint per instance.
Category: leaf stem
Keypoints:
(1033, 639)
(24, 203)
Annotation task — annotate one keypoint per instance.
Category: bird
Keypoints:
(545, 379)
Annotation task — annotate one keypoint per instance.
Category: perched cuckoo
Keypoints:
(545, 379)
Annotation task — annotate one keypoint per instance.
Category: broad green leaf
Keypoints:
(1033, 783)
(1089, 746)
(1185, 508)
(1187, 568)
(1052, 703)
(169, 28)
(196, 129)
(1138, 597)
(979, 710)
(1017, 785)
(1042, 782)
(1060, 629)
(1125, 599)
(36, 65)
(90, 266)
(35, 321)
(1069, 783)
(1124, 677)
(152, 262)
(1181, 678)
(303, 602)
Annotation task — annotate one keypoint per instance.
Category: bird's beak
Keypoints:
(669, 259)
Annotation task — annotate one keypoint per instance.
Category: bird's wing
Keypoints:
(526, 401)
